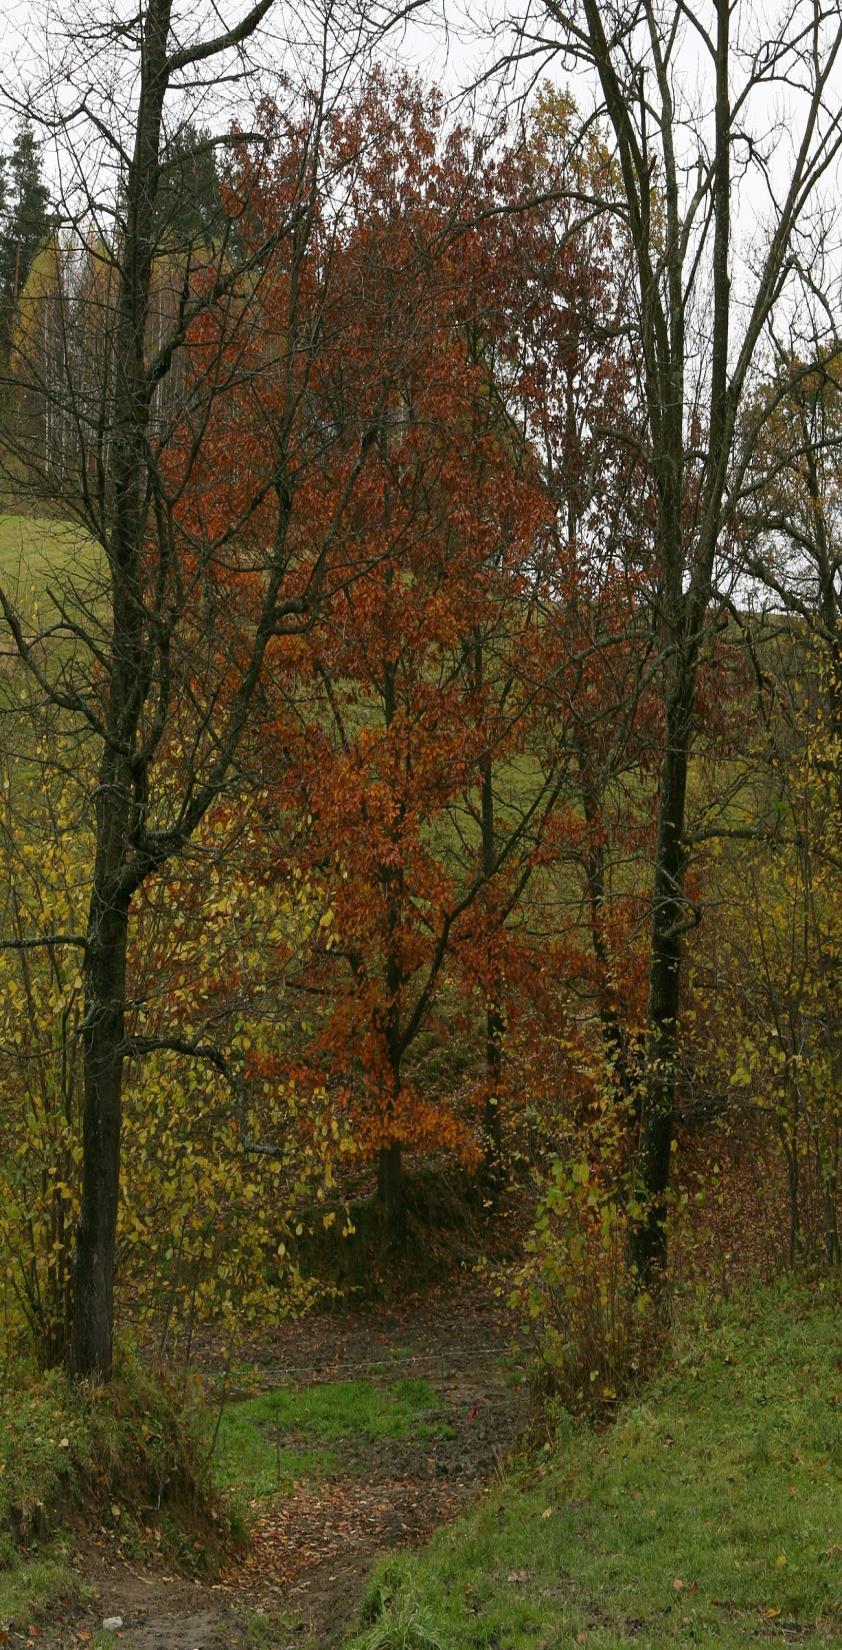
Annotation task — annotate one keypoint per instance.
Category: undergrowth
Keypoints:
(594, 1337)
(128, 1458)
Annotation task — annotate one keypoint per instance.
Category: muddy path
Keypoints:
(313, 1548)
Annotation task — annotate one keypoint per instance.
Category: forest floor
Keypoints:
(351, 1435)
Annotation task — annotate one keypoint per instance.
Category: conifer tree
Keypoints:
(25, 220)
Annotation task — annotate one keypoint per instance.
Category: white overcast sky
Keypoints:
(450, 41)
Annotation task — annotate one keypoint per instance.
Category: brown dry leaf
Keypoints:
(678, 1585)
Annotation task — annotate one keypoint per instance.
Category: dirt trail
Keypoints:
(312, 1551)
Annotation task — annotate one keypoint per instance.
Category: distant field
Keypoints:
(35, 553)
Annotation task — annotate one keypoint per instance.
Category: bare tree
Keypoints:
(708, 108)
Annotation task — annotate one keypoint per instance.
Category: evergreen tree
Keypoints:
(25, 220)
(188, 208)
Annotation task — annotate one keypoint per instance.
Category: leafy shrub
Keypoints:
(591, 1331)
(206, 1226)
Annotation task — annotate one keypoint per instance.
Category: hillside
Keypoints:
(708, 1513)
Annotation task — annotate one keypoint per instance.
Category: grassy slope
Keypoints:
(33, 549)
(709, 1514)
(99, 1458)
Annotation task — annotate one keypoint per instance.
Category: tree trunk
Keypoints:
(121, 798)
(91, 1345)
(648, 1247)
(391, 1189)
(492, 1124)
(391, 1194)
(391, 1199)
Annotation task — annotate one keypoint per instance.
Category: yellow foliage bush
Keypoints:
(591, 1331)
(219, 1159)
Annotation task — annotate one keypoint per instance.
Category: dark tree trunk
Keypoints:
(669, 921)
(492, 1121)
(391, 1191)
(121, 794)
(391, 1199)
(494, 1022)
(93, 1271)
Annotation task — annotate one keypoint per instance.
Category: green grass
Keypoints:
(267, 1443)
(35, 552)
(709, 1514)
(36, 1582)
(250, 1461)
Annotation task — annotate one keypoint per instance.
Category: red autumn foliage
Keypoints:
(425, 443)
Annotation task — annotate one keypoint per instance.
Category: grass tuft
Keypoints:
(397, 1620)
